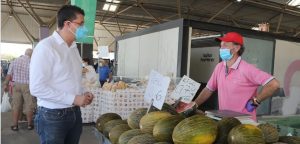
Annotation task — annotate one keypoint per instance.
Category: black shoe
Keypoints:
(30, 127)
(14, 128)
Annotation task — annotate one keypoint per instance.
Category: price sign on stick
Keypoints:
(157, 88)
(103, 51)
(186, 89)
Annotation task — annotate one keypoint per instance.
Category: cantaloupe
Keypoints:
(149, 120)
(196, 129)
(163, 129)
(142, 139)
(224, 127)
(105, 118)
(246, 134)
(110, 124)
(126, 136)
(270, 133)
(135, 117)
(116, 132)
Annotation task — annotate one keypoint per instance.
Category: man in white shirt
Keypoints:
(55, 79)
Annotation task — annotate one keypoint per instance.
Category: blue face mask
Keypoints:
(81, 32)
(225, 54)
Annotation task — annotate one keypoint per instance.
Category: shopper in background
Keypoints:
(105, 73)
(55, 79)
(89, 76)
(19, 74)
(96, 65)
(86, 66)
(236, 80)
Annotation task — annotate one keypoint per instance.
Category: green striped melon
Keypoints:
(116, 132)
(126, 136)
(246, 134)
(163, 129)
(224, 127)
(105, 118)
(135, 117)
(142, 139)
(110, 124)
(196, 129)
(149, 120)
(270, 133)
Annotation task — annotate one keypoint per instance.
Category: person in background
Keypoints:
(55, 79)
(89, 76)
(19, 74)
(96, 65)
(86, 66)
(105, 74)
(236, 80)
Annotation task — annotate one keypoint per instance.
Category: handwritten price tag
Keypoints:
(157, 89)
(186, 89)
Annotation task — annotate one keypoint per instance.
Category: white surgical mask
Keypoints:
(84, 64)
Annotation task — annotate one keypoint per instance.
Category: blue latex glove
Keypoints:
(250, 106)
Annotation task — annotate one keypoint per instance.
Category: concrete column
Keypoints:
(44, 32)
(86, 51)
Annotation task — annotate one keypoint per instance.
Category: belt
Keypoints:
(63, 109)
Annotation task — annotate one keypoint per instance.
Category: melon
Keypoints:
(105, 118)
(224, 127)
(110, 124)
(135, 117)
(162, 143)
(163, 129)
(270, 133)
(126, 136)
(246, 134)
(196, 129)
(290, 139)
(142, 139)
(116, 132)
(149, 120)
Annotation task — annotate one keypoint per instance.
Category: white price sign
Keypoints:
(103, 51)
(186, 89)
(157, 89)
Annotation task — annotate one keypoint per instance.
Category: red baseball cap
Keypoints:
(232, 37)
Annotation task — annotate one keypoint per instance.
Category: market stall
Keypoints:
(122, 102)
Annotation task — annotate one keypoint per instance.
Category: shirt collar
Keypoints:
(236, 63)
(25, 56)
(60, 40)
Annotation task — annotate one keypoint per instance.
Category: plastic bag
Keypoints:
(5, 105)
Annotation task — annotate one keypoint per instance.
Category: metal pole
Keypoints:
(129, 7)
(141, 6)
(81, 50)
(179, 8)
(279, 22)
(219, 12)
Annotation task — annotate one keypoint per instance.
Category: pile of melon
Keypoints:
(167, 127)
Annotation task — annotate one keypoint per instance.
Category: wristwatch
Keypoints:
(256, 102)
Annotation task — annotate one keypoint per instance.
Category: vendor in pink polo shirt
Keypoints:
(236, 80)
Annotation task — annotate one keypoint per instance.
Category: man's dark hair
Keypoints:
(242, 49)
(86, 60)
(67, 13)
